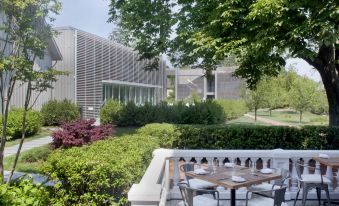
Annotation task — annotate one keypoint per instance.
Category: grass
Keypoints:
(292, 117)
(245, 121)
(120, 131)
(29, 161)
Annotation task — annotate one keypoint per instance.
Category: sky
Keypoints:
(92, 16)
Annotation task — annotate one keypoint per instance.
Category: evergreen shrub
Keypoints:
(56, 112)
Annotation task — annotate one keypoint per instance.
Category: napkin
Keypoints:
(238, 179)
(200, 171)
(266, 171)
(325, 156)
(228, 164)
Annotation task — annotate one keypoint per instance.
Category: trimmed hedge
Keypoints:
(100, 173)
(245, 137)
(56, 112)
(14, 123)
(207, 112)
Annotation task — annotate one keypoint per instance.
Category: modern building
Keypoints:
(52, 55)
(100, 69)
(220, 85)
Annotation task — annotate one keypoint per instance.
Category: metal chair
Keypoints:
(192, 182)
(306, 182)
(274, 197)
(190, 197)
(276, 183)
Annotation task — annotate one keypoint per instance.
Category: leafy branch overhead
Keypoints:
(261, 34)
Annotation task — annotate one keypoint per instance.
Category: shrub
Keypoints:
(56, 112)
(165, 133)
(110, 112)
(233, 108)
(207, 112)
(23, 192)
(80, 133)
(100, 173)
(14, 123)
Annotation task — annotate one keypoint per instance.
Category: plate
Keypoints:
(238, 179)
(266, 171)
(200, 172)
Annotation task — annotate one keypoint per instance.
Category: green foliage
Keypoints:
(206, 112)
(233, 108)
(246, 136)
(165, 133)
(55, 112)
(100, 173)
(23, 193)
(14, 123)
(110, 112)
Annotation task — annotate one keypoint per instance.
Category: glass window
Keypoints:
(116, 92)
(122, 94)
(137, 95)
(132, 94)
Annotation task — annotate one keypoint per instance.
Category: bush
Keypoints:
(207, 112)
(100, 173)
(80, 133)
(110, 112)
(23, 192)
(56, 112)
(14, 123)
(165, 133)
(233, 108)
(243, 136)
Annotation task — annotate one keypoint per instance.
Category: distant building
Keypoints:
(100, 69)
(220, 85)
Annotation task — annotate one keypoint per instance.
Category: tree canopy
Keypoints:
(261, 33)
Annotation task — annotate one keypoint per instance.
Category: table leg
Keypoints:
(232, 197)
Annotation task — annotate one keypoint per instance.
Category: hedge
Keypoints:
(245, 137)
(14, 123)
(100, 173)
(130, 114)
(56, 112)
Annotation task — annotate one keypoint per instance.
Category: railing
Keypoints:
(155, 186)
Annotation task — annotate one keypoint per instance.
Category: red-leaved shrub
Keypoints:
(80, 133)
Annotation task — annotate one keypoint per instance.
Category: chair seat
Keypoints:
(262, 201)
(201, 200)
(314, 178)
(263, 186)
(200, 184)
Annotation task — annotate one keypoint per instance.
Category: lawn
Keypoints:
(245, 121)
(292, 117)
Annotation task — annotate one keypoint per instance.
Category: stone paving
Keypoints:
(27, 145)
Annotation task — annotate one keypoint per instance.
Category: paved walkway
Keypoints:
(27, 145)
(269, 121)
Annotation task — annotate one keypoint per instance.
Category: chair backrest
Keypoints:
(187, 167)
(186, 193)
(279, 196)
(285, 174)
(298, 167)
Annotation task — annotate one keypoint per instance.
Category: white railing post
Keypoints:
(306, 164)
(176, 174)
(294, 180)
(329, 175)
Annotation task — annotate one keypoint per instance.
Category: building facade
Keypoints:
(220, 85)
(52, 55)
(100, 69)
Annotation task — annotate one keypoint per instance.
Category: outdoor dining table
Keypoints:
(222, 176)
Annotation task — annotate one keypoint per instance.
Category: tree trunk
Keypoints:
(255, 114)
(270, 112)
(300, 116)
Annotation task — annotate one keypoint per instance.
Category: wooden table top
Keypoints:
(332, 161)
(223, 176)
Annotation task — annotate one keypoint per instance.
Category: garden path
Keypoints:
(269, 121)
(27, 145)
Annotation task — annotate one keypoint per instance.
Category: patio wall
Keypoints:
(158, 185)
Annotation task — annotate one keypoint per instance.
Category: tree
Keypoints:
(255, 98)
(26, 34)
(303, 95)
(260, 33)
